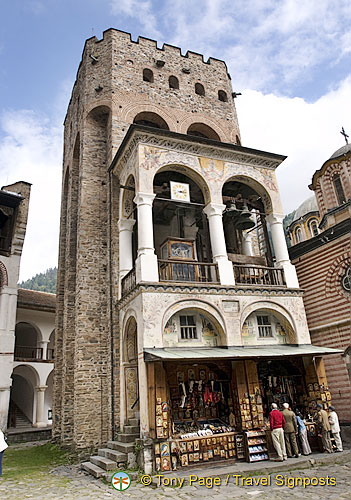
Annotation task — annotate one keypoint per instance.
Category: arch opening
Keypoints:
(222, 96)
(247, 236)
(180, 227)
(199, 89)
(150, 119)
(173, 82)
(131, 378)
(27, 338)
(267, 326)
(148, 75)
(203, 130)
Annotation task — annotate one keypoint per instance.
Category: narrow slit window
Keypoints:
(339, 189)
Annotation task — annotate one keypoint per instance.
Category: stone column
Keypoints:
(146, 263)
(281, 250)
(214, 213)
(125, 227)
(41, 421)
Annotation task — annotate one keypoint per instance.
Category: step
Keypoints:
(93, 469)
(122, 447)
(117, 456)
(133, 421)
(103, 462)
(127, 438)
(132, 429)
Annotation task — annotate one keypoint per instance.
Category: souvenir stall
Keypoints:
(218, 410)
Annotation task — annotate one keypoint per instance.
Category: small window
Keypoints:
(148, 75)
(339, 189)
(188, 327)
(222, 96)
(199, 89)
(298, 235)
(314, 228)
(264, 326)
(173, 82)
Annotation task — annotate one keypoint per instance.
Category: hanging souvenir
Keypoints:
(196, 446)
(174, 462)
(164, 447)
(165, 464)
(159, 432)
(182, 446)
(158, 464)
(184, 460)
(189, 446)
(164, 406)
(157, 449)
(174, 447)
(158, 409)
(196, 457)
(158, 401)
(191, 457)
(159, 421)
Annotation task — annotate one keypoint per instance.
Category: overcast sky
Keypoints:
(291, 60)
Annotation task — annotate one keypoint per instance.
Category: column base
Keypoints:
(40, 424)
(226, 273)
(146, 268)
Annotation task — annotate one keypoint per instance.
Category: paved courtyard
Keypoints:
(66, 482)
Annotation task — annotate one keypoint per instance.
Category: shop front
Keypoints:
(212, 404)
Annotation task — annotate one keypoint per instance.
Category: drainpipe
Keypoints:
(111, 306)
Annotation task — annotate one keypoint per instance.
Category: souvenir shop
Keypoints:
(218, 410)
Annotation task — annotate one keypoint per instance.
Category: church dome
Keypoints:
(309, 205)
(341, 151)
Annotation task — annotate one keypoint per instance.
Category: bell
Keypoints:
(243, 223)
(232, 210)
(245, 212)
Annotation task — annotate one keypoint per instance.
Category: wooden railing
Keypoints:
(50, 354)
(29, 353)
(258, 275)
(196, 272)
(128, 282)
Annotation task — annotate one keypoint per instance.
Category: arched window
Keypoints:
(199, 89)
(148, 75)
(203, 130)
(298, 235)
(313, 228)
(339, 189)
(150, 120)
(222, 96)
(173, 82)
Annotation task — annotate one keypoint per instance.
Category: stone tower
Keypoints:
(119, 82)
(165, 255)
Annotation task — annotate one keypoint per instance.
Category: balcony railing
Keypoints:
(128, 282)
(28, 353)
(196, 272)
(50, 354)
(258, 275)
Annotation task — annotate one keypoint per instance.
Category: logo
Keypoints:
(121, 481)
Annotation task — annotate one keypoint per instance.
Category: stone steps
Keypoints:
(117, 456)
(116, 453)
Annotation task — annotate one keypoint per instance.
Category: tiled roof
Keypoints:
(31, 299)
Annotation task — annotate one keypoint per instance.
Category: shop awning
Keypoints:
(240, 352)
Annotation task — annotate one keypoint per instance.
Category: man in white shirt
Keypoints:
(335, 427)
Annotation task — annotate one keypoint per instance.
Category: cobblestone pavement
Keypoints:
(73, 484)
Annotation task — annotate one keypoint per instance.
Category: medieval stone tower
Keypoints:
(119, 82)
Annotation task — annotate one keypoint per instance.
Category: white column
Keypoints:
(41, 421)
(143, 398)
(281, 250)
(247, 244)
(44, 346)
(4, 406)
(214, 213)
(125, 227)
(146, 263)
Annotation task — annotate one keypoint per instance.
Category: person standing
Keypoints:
(306, 449)
(325, 426)
(3, 446)
(277, 423)
(290, 431)
(335, 427)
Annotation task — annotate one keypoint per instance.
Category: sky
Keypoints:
(290, 59)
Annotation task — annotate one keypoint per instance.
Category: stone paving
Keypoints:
(70, 483)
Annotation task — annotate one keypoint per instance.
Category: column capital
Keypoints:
(144, 198)
(41, 388)
(275, 218)
(214, 209)
(125, 224)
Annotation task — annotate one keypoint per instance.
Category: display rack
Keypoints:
(256, 446)
(240, 446)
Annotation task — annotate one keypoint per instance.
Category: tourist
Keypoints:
(3, 446)
(325, 429)
(290, 432)
(335, 427)
(277, 423)
(306, 449)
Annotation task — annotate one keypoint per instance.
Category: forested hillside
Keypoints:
(43, 282)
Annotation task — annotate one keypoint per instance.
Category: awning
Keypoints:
(240, 352)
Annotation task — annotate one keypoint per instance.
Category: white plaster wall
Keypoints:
(44, 321)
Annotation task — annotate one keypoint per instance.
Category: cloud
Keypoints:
(308, 133)
(269, 45)
(31, 150)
